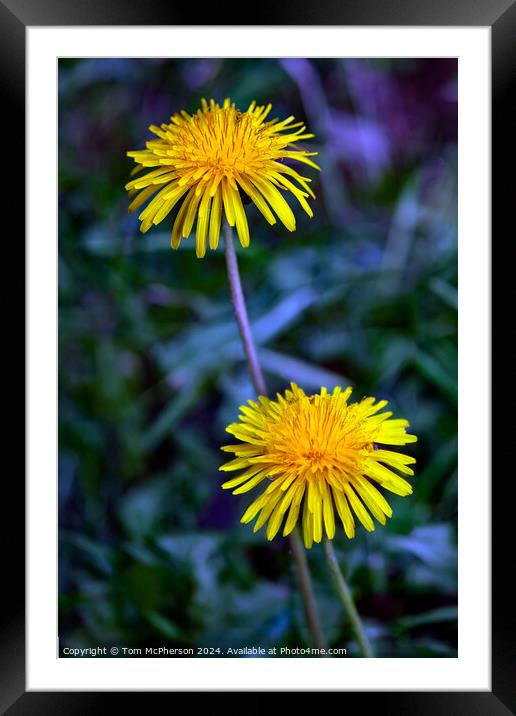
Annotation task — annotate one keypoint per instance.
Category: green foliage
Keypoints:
(151, 369)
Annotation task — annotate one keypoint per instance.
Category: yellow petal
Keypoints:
(240, 218)
(190, 213)
(276, 200)
(387, 478)
(294, 509)
(328, 514)
(368, 500)
(258, 199)
(202, 225)
(177, 229)
(358, 508)
(307, 526)
(272, 501)
(344, 513)
(374, 495)
(251, 483)
(228, 205)
(215, 219)
(239, 479)
(141, 198)
(254, 508)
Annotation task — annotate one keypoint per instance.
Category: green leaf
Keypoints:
(169, 417)
(442, 376)
(435, 616)
(163, 625)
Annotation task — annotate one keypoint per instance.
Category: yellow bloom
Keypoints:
(319, 453)
(208, 159)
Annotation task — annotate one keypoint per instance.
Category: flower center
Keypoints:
(316, 460)
(313, 455)
(318, 438)
(222, 141)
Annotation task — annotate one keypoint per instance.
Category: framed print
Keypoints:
(258, 354)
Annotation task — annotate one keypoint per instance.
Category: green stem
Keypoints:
(305, 587)
(346, 599)
(244, 327)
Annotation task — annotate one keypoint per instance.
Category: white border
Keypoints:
(471, 670)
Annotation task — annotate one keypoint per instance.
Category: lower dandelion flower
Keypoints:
(320, 455)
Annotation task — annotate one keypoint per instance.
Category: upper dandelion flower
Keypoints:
(208, 159)
(319, 453)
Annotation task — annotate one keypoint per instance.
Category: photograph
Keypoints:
(257, 357)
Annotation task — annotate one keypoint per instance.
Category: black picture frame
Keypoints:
(15, 17)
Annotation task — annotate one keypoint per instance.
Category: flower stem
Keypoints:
(242, 319)
(346, 599)
(305, 586)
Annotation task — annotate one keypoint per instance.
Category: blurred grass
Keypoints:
(151, 369)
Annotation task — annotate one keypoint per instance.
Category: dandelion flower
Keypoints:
(212, 161)
(320, 455)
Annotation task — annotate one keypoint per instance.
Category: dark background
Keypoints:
(151, 370)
